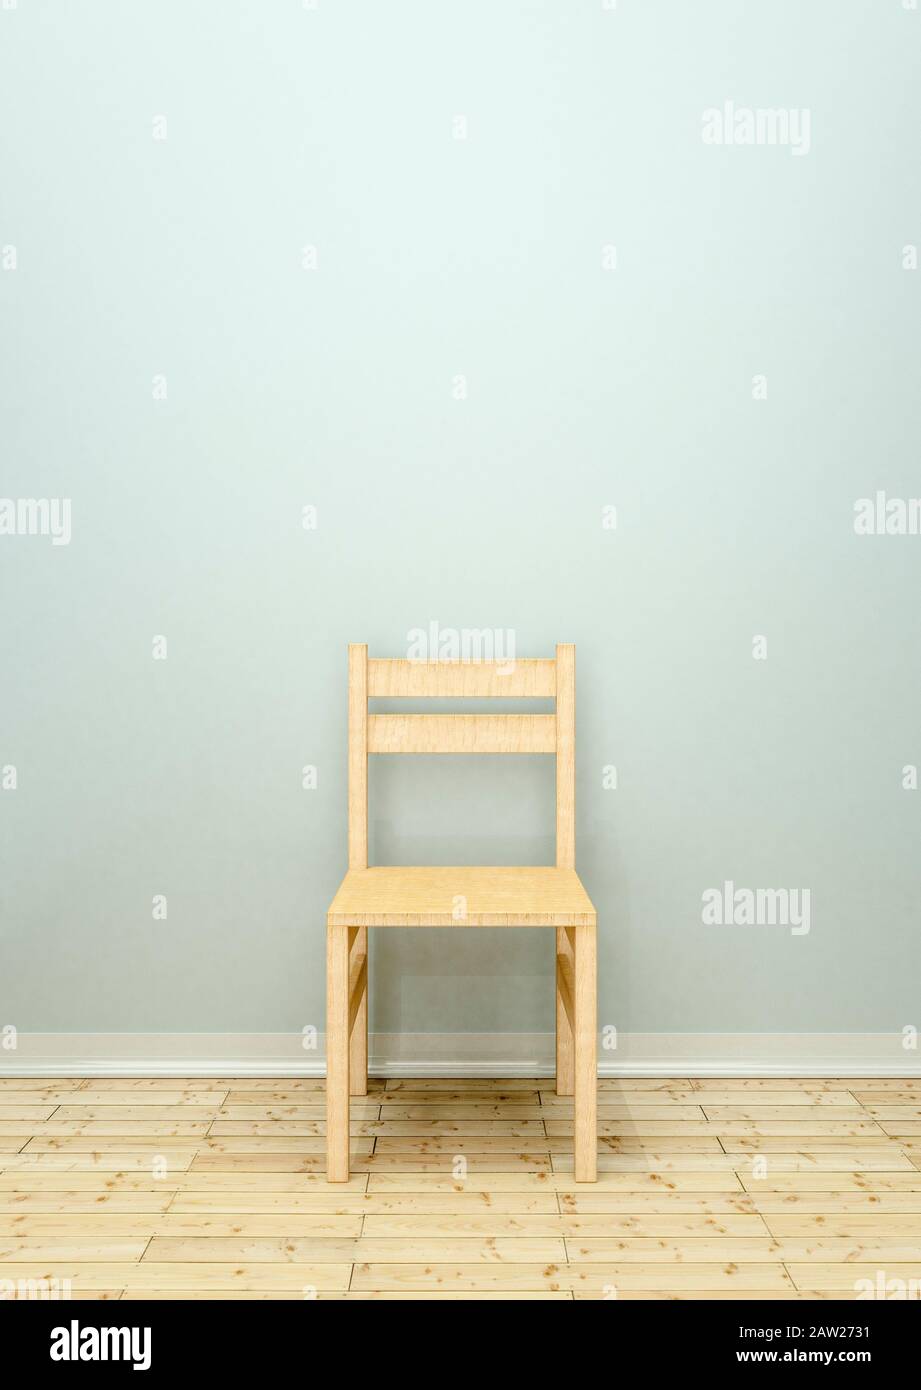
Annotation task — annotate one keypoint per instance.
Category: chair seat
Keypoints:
(461, 897)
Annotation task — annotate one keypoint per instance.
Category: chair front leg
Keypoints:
(565, 976)
(585, 1128)
(337, 1053)
(358, 1013)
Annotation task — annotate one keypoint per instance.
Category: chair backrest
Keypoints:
(462, 733)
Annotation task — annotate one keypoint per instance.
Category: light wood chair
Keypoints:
(460, 897)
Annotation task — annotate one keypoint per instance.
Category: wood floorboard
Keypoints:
(724, 1188)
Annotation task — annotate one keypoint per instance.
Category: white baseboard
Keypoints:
(459, 1054)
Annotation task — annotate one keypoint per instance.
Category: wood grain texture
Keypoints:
(566, 756)
(585, 1061)
(461, 733)
(461, 897)
(460, 1189)
(338, 940)
(358, 1014)
(396, 678)
(358, 756)
(565, 977)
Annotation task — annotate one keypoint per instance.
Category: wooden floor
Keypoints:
(216, 1189)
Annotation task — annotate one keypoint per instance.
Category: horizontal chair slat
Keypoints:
(514, 679)
(462, 733)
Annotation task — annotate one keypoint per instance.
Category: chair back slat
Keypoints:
(484, 679)
(462, 733)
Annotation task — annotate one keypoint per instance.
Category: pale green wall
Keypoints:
(286, 387)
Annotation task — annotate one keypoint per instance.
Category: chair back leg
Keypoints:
(565, 977)
(358, 1013)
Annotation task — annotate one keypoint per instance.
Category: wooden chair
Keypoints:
(460, 897)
